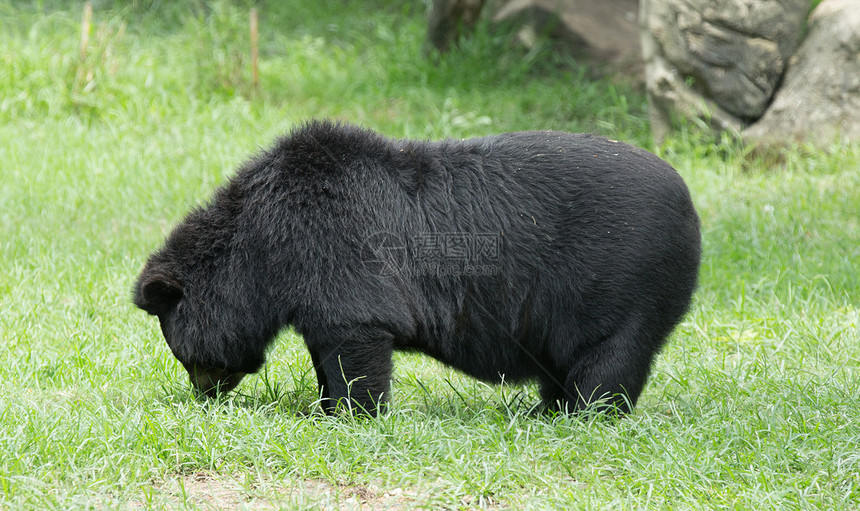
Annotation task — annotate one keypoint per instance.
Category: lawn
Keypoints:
(754, 404)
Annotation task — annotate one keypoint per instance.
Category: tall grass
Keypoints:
(753, 405)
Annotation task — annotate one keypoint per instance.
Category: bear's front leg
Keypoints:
(355, 365)
(322, 386)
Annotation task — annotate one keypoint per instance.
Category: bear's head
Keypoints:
(211, 312)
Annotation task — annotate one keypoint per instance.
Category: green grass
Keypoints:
(753, 405)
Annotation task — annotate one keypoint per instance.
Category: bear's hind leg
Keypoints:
(611, 374)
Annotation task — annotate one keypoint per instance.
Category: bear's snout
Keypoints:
(210, 382)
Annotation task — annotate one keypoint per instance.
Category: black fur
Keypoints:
(588, 251)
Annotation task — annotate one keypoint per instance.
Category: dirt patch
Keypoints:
(205, 490)
(353, 496)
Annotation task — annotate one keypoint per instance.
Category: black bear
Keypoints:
(549, 256)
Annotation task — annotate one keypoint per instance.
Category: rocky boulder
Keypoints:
(819, 99)
(602, 32)
(447, 19)
(716, 60)
(605, 32)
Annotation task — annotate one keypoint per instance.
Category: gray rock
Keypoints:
(603, 31)
(718, 61)
(819, 99)
(447, 19)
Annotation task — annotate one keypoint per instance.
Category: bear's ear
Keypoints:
(158, 293)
